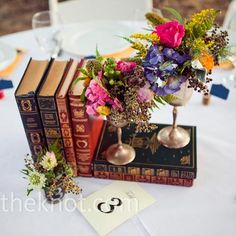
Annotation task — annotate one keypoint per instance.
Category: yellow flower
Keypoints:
(103, 110)
(207, 61)
(153, 38)
(200, 23)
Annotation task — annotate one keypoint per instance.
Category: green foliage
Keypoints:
(138, 60)
(163, 100)
(154, 19)
(82, 96)
(175, 13)
(93, 67)
(98, 55)
(77, 80)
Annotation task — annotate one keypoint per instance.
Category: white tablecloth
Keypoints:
(208, 208)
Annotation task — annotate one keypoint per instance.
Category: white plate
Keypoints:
(7, 55)
(81, 39)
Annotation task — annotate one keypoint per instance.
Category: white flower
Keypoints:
(49, 161)
(196, 64)
(36, 180)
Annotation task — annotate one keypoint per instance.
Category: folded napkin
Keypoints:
(120, 54)
(5, 84)
(226, 65)
(8, 70)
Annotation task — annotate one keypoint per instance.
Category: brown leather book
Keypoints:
(47, 103)
(62, 101)
(85, 129)
(25, 95)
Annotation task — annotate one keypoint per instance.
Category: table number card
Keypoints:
(114, 204)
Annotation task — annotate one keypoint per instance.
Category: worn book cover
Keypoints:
(86, 129)
(153, 162)
(47, 103)
(62, 101)
(25, 95)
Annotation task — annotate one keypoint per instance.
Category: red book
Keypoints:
(86, 130)
(62, 102)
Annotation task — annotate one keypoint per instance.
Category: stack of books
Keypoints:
(48, 98)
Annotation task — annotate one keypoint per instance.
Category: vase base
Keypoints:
(173, 137)
(120, 154)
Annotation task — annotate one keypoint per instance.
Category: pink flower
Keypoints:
(170, 33)
(125, 67)
(145, 94)
(96, 96)
(117, 105)
(91, 109)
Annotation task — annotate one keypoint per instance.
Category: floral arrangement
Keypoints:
(171, 53)
(179, 50)
(119, 90)
(49, 172)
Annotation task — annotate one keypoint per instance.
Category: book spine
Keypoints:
(50, 120)
(66, 132)
(144, 178)
(80, 127)
(32, 123)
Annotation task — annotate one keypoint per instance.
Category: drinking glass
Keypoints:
(47, 27)
(230, 26)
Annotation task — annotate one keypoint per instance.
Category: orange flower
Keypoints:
(86, 82)
(207, 61)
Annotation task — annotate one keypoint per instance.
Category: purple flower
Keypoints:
(171, 54)
(154, 57)
(172, 86)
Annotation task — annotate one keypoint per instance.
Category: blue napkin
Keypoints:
(5, 84)
(219, 90)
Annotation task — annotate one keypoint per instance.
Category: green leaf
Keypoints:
(159, 100)
(82, 96)
(127, 39)
(165, 65)
(83, 71)
(29, 191)
(77, 80)
(169, 98)
(98, 55)
(175, 13)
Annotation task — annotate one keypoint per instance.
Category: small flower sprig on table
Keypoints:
(48, 171)
(180, 50)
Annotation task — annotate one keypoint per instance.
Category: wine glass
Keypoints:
(47, 27)
(175, 136)
(230, 26)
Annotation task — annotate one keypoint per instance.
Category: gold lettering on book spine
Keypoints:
(35, 138)
(78, 113)
(63, 117)
(26, 105)
(80, 128)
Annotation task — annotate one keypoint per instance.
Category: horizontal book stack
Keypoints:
(48, 98)
(153, 163)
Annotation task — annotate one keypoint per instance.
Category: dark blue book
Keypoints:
(153, 162)
(25, 96)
